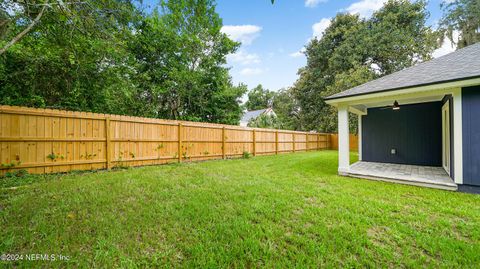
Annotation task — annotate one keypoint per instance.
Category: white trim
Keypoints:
(386, 94)
(457, 136)
(359, 110)
(446, 147)
(360, 137)
(343, 141)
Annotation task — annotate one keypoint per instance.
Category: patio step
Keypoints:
(449, 186)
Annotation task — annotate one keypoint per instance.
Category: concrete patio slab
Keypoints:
(424, 176)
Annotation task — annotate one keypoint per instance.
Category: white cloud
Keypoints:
(251, 71)
(242, 33)
(243, 57)
(365, 8)
(313, 3)
(447, 46)
(297, 54)
(320, 27)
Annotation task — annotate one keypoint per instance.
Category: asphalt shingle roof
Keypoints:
(252, 114)
(461, 64)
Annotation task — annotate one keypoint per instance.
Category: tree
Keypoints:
(259, 98)
(73, 64)
(462, 16)
(181, 53)
(286, 108)
(108, 56)
(353, 51)
(265, 121)
(19, 17)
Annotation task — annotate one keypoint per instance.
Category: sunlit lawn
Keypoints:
(274, 211)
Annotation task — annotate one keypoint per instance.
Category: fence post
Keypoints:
(318, 139)
(107, 143)
(329, 141)
(254, 143)
(276, 142)
(293, 137)
(223, 142)
(180, 142)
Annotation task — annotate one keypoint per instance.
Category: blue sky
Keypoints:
(272, 35)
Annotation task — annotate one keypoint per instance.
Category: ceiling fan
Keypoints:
(395, 106)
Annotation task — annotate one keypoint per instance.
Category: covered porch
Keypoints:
(408, 138)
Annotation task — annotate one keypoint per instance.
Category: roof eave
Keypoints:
(461, 82)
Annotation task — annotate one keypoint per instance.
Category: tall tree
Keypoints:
(259, 98)
(462, 16)
(354, 50)
(182, 53)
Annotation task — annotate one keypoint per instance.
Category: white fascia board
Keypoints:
(404, 93)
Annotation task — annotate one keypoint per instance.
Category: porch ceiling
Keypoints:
(402, 101)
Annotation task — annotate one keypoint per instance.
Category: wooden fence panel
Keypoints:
(353, 142)
(49, 141)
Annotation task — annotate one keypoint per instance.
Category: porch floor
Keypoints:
(425, 176)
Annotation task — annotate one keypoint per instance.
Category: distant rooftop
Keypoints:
(253, 114)
(461, 64)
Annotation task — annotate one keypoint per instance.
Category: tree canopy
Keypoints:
(259, 98)
(462, 16)
(353, 51)
(109, 56)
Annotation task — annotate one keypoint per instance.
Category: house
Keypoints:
(249, 115)
(418, 126)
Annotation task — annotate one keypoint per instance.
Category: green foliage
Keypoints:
(53, 157)
(108, 56)
(265, 121)
(10, 164)
(259, 98)
(462, 16)
(353, 51)
(16, 174)
(282, 102)
(286, 108)
(246, 155)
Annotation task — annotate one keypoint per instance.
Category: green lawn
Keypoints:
(274, 211)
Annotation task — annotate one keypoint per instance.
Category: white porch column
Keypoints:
(343, 140)
(457, 136)
(359, 137)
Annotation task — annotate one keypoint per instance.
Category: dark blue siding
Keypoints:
(415, 131)
(471, 135)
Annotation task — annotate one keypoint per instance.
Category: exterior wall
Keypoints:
(414, 131)
(471, 135)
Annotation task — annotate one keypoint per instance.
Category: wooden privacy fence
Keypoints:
(46, 140)
(353, 141)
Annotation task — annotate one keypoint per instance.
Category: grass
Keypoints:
(273, 211)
